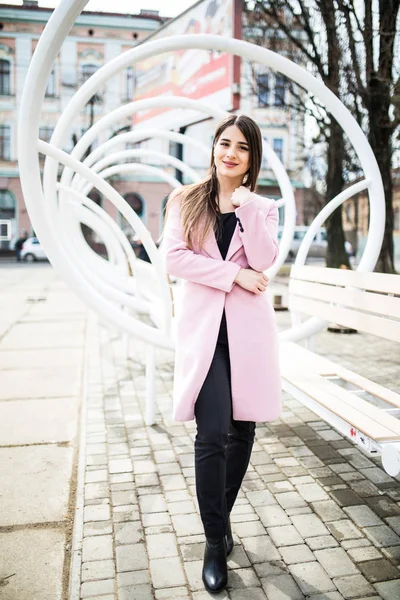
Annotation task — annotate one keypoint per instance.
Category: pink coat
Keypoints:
(208, 286)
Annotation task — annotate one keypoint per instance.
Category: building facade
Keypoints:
(94, 40)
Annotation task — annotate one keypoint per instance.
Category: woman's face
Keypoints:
(231, 153)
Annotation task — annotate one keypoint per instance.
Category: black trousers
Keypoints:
(222, 446)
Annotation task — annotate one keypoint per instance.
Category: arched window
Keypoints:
(7, 205)
(5, 87)
(136, 202)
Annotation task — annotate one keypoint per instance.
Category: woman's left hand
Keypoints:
(240, 196)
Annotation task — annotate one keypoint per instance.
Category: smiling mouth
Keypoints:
(229, 164)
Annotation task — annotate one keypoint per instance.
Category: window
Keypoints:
(264, 162)
(280, 90)
(130, 83)
(51, 85)
(7, 205)
(5, 78)
(45, 133)
(136, 203)
(299, 235)
(5, 142)
(263, 89)
(87, 71)
(173, 148)
(278, 148)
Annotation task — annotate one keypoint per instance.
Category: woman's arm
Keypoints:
(258, 231)
(182, 262)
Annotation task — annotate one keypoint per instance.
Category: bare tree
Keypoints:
(311, 29)
(374, 85)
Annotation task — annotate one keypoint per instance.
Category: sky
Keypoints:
(169, 8)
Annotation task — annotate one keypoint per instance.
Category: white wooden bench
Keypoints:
(360, 409)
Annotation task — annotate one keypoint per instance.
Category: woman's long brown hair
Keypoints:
(199, 205)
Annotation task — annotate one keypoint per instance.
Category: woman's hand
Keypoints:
(253, 281)
(240, 196)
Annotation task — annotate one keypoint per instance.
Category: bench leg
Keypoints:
(150, 385)
(391, 459)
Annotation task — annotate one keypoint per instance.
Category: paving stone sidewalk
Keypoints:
(316, 518)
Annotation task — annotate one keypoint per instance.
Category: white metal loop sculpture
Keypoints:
(41, 200)
(127, 110)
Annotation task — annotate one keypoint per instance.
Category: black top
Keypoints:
(226, 223)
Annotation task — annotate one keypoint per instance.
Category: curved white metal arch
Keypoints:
(121, 280)
(141, 134)
(48, 47)
(135, 168)
(310, 327)
(127, 110)
(281, 64)
(142, 152)
(97, 225)
(157, 336)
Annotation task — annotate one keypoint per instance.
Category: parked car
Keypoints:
(319, 244)
(32, 250)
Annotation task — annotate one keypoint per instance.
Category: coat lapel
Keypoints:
(236, 243)
(211, 247)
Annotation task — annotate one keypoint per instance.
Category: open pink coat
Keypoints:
(208, 286)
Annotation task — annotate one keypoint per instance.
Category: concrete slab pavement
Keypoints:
(42, 341)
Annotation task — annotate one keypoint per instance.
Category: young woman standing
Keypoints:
(219, 237)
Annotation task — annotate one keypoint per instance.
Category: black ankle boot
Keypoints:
(229, 538)
(215, 571)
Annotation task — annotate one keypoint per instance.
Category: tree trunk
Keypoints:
(336, 253)
(380, 140)
(380, 125)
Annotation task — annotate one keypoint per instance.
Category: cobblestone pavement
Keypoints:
(316, 518)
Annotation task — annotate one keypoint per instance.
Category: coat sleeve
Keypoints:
(182, 262)
(258, 229)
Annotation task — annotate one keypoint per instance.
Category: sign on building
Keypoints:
(196, 74)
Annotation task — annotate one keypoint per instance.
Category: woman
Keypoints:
(219, 237)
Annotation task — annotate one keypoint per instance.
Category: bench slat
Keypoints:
(365, 417)
(370, 386)
(379, 282)
(363, 406)
(298, 369)
(293, 353)
(353, 298)
(344, 410)
(378, 326)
